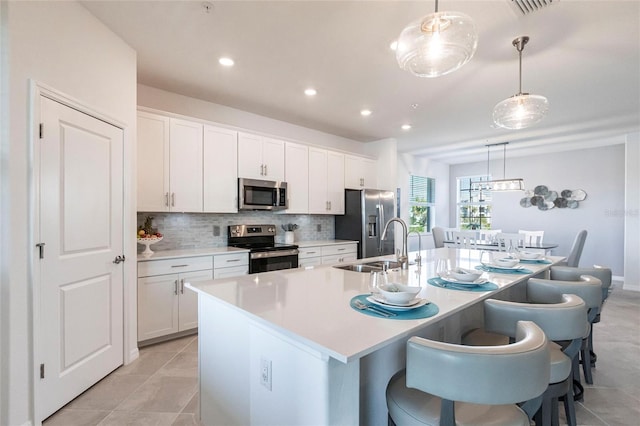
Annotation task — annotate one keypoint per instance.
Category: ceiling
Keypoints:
(584, 56)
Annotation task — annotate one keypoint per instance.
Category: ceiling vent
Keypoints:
(525, 7)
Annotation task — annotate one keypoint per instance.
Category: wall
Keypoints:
(631, 214)
(198, 230)
(61, 45)
(598, 171)
(419, 166)
(4, 215)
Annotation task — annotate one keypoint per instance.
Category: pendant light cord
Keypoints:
(436, 6)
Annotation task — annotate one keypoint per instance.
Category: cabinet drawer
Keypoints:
(309, 261)
(232, 271)
(173, 266)
(230, 259)
(339, 249)
(306, 252)
(339, 258)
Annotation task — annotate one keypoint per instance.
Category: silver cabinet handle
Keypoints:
(261, 169)
(266, 173)
(175, 287)
(329, 205)
(179, 266)
(182, 286)
(232, 260)
(166, 199)
(173, 199)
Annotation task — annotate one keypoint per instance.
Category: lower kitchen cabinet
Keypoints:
(165, 305)
(230, 265)
(327, 254)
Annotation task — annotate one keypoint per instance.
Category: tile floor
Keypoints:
(160, 388)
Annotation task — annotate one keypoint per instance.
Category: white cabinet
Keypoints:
(297, 177)
(326, 182)
(153, 162)
(327, 254)
(165, 305)
(169, 164)
(220, 170)
(230, 265)
(260, 157)
(360, 172)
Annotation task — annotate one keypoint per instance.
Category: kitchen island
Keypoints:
(286, 348)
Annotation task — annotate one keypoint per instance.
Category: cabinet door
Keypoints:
(188, 299)
(335, 182)
(297, 177)
(353, 172)
(310, 261)
(250, 156)
(153, 162)
(318, 202)
(185, 158)
(157, 306)
(370, 173)
(273, 159)
(220, 170)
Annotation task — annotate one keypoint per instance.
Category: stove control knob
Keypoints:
(270, 229)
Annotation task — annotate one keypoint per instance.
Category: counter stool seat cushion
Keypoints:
(409, 407)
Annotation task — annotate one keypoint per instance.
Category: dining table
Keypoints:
(292, 346)
(536, 247)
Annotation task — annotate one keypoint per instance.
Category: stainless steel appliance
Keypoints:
(264, 253)
(366, 212)
(254, 194)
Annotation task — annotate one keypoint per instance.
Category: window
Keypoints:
(422, 196)
(474, 205)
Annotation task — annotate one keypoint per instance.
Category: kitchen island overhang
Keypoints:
(326, 363)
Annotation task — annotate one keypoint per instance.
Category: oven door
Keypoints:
(274, 260)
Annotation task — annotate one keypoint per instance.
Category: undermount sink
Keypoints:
(367, 267)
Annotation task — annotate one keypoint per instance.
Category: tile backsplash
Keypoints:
(201, 230)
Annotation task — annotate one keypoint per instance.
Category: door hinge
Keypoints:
(41, 248)
(41, 129)
(42, 371)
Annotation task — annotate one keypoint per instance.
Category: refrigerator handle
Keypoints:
(380, 227)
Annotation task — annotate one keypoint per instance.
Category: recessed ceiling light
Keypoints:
(227, 62)
(394, 45)
(406, 126)
(365, 112)
(310, 91)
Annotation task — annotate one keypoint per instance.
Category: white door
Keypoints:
(81, 288)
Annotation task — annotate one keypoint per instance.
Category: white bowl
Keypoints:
(398, 293)
(506, 262)
(465, 275)
(529, 255)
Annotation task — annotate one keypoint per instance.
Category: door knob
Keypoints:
(118, 259)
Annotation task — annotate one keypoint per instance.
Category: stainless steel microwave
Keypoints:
(254, 194)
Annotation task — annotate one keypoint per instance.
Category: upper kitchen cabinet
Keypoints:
(360, 172)
(153, 162)
(326, 182)
(169, 164)
(297, 177)
(260, 157)
(220, 170)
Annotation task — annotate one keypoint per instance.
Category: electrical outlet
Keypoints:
(265, 372)
(319, 228)
(216, 231)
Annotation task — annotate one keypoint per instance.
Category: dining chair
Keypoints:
(438, 236)
(445, 382)
(562, 318)
(507, 241)
(532, 237)
(567, 273)
(573, 259)
(465, 239)
(488, 234)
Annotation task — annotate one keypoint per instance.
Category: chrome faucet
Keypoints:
(418, 257)
(403, 259)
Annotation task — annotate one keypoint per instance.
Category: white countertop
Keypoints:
(312, 306)
(317, 243)
(173, 254)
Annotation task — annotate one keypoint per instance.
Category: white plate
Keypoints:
(506, 268)
(448, 278)
(415, 303)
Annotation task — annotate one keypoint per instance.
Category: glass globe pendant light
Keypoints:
(520, 110)
(437, 44)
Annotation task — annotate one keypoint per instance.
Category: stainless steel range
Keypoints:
(264, 253)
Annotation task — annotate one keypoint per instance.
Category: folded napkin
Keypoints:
(539, 261)
(439, 282)
(504, 271)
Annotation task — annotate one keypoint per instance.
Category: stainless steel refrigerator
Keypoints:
(366, 213)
